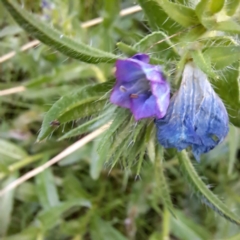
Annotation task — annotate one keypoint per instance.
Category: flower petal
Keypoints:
(141, 87)
(129, 70)
(141, 57)
(144, 106)
(161, 91)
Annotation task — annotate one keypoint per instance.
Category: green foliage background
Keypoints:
(122, 185)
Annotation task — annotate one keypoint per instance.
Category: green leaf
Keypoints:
(235, 237)
(216, 6)
(6, 206)
(29, 233)
(232, 6)
(181, 14)
(206, 8)
(121, 119)
(46, 189)
(222, 56)
(87, 126)
(120, 137)
(10, 30)
(10, 152)
(184, 228)
(203, 62)
(73, 188)
(67, 74)
(233, 142)
(56, 39)
(158, 18)
(227, 87)
(52, 217)
(86, 101)
(228, 79)
(163, 50)
(218, 41)
(205, 11)
(227, 26)
(130, 51)
(26, 192)
(202, 191)
(102, 230)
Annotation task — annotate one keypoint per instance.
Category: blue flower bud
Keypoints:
(196, 116)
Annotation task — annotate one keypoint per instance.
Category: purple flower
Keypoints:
(196, 116)
(141, 87)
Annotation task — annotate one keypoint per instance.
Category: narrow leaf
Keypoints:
(86, 101)
(10, 152)
(54, 38)
(232, 6)
(130, 51)
(181, 14)
(158, 18)
(102, 230)
(228, 26)
(216, 6)
(185, 228)
(233, 142)
(227, 87)
(6, 207)
(90, 125)
(164, 50)
(223, 56)
(52, 217)
(46, 189)
(202, 191)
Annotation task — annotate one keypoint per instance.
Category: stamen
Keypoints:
(133, 95)
(123, 89)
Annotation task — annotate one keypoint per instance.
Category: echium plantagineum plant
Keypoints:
(176, 88)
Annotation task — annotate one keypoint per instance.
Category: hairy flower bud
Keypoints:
(196, 116)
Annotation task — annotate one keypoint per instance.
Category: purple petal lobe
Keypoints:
(144, 106)
(161, 91)
(129, 70)
(141, 57)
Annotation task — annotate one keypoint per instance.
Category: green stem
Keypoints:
(202, 190)
(166, 224)
(161, 180)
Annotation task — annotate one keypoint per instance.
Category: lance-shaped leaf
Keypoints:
(227, 87)
(232, 6)
(158, 18)
(151, 43)
(54, 38)
(88, 100)
(202, 191)
(181, 14)
(205, 11)
(223, 56)
(209, 7)
(130, 51)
